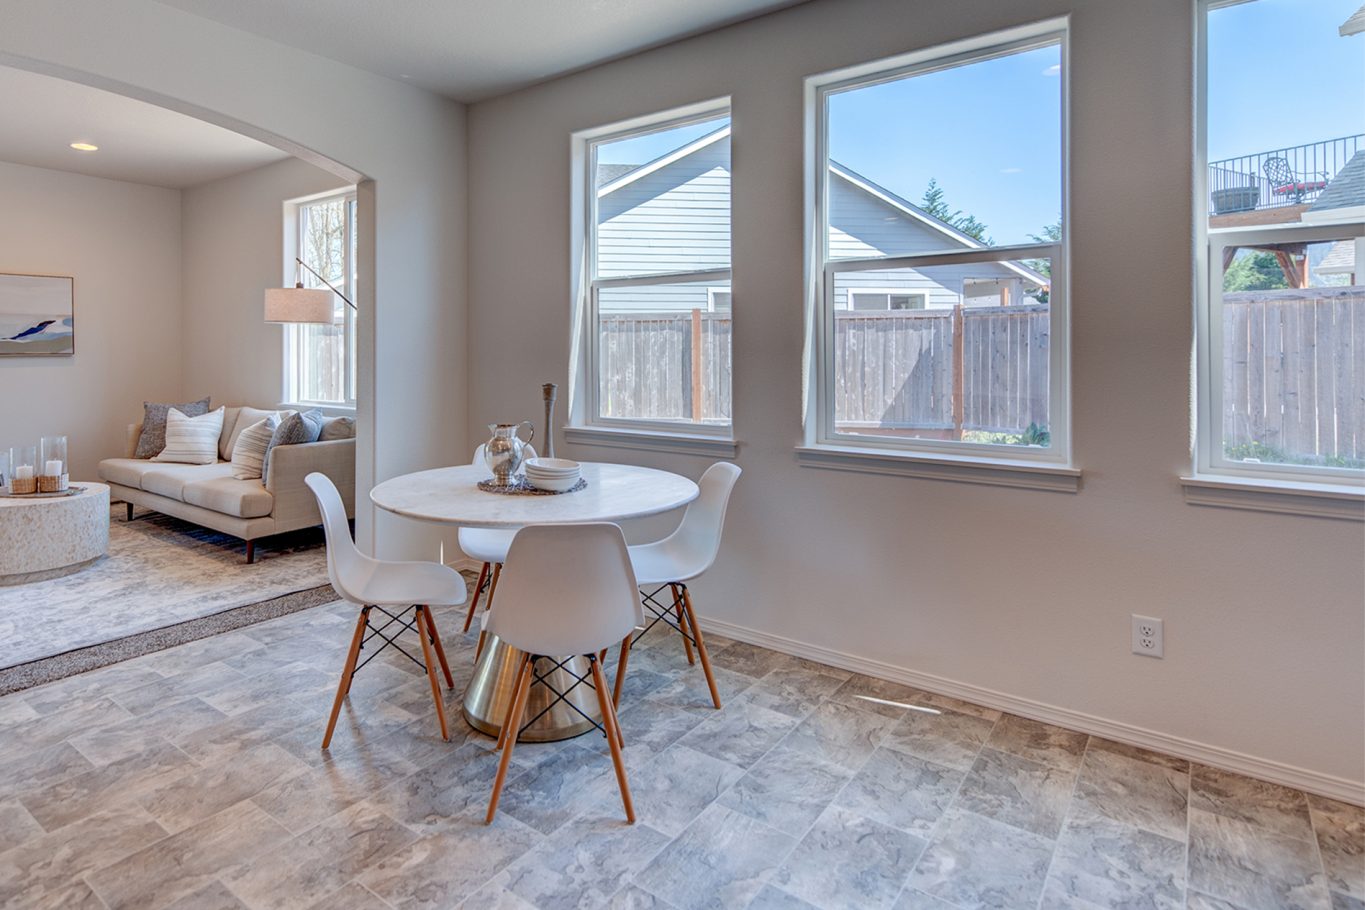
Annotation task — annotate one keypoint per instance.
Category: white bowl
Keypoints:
(553, 484)
(547, 466)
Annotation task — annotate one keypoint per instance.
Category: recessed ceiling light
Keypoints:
(85, 147)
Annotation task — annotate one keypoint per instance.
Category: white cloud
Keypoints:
(1053, 70)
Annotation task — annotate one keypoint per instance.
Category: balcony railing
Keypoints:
(1279, 178)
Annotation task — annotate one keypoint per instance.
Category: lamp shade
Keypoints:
(310, 305)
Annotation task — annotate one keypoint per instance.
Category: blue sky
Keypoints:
(989, 132)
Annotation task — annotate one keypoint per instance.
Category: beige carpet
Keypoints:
(160, 572)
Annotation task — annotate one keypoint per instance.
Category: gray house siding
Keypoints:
(677, 219)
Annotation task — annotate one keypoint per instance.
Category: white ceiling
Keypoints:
(474, 49)
(40, 116)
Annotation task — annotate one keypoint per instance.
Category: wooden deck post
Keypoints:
(696, 366)
(959, 371)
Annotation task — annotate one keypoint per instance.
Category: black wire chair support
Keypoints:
(374, 632)
(664, 614)
(544, 680)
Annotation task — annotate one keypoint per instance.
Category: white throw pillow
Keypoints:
(248, 455)
(192, 440)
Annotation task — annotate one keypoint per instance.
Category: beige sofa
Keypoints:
(210, 496)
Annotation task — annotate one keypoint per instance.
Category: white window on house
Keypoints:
(940, 300)
(1281, 255)
(658, 306)
(874, 299)
(319, 360)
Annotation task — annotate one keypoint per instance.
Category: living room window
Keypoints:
(657, 305)
(1281, 254)
(939, 293)
(319, 362)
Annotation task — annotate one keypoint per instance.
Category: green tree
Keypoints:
(933, 202)
(1052, 233)
(1254, 271)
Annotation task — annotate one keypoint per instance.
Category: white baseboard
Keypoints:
(1338, 788)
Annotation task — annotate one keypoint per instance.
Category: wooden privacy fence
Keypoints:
(1294, 373)
(949, 370)
(665, 366)
(962, 369)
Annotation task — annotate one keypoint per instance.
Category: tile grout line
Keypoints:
(1066, 820)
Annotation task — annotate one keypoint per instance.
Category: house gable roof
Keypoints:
(612, 180)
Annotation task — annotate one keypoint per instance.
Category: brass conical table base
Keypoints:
(490, 694)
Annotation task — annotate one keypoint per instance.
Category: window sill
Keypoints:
(1320, 500)
(999, 472)
(653, 441)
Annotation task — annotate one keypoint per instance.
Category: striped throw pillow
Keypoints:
(191, 440)
(248, 454)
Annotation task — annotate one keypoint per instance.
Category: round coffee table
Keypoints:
(615, 492)
(47, 536)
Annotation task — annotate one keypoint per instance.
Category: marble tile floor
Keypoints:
(192, 779)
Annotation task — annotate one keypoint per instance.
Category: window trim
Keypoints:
(822, 443)
(293, 235)
(584, 405)
(1214, 480)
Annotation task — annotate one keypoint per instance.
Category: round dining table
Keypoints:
(561, 703)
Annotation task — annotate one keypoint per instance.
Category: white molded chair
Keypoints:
(373, 584)
(567, 590)
(680, 557)
(488, 546)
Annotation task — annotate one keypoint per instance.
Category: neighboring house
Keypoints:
(642, 210)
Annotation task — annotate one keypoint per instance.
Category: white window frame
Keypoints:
(293, 234)
(1211, 468)
(585, 408)
(888, 293)
(1023, 466)
(711, 298)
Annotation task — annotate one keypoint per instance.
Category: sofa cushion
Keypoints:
(246, 416)
(337, 428)
(242, 498)
(169, 480)
(229, 430)
(248, 452)
(127, 471)
(153, 437)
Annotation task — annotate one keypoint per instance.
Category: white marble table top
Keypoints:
(615, 492)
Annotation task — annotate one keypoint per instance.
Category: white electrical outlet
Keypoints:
(1147, 636)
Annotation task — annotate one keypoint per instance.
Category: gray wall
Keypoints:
(121, 243)
(231, 242)
(1011, 591)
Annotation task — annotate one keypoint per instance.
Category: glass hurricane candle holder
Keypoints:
(53, 477)
(23, 473)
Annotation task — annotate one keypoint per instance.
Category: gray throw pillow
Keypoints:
(337, 428)
(293, 430)
(153, 438)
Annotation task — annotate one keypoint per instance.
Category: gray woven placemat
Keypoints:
(520, 487)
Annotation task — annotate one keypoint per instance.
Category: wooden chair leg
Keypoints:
(440, 651)
(511, 722)
(474, 604)
(424, 624)
(609, 720)
(621, 668)
(682, 623)
(344, 686)
(701, 645)
(488, 605)
(516, 677)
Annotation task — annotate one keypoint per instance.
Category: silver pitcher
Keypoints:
(504, 452)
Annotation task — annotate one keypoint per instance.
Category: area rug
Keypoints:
(160, 573)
